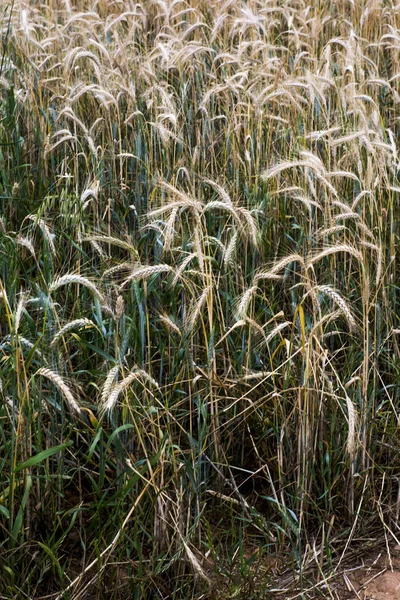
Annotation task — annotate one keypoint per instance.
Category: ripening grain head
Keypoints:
(339, 301)
(82, 323)
(111, 394)
(79, 280)
(346, 248)
(146, 272)
(272, 273)
(58, 381)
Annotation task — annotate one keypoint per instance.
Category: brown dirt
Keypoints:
(377, 578)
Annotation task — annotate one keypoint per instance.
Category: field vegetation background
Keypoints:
(199, 317)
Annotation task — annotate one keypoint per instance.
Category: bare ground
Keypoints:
(374, 575)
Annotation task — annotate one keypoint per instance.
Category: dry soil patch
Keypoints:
(377, 579)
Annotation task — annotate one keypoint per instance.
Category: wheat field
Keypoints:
(199, 316)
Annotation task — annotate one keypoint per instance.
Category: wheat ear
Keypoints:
(62, 386)
(76, 324)
(145, 273)
(339, 300)
(116, 391)
(66, 279)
